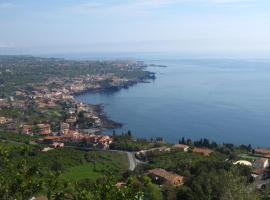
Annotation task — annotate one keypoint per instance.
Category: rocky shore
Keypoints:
(107, 123)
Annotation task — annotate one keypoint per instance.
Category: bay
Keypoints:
(225, 100)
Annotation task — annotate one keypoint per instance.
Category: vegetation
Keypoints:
(22, 71)
(126, 141)
(24, 172)
(14, 137)
(96, 164)
(67, 173)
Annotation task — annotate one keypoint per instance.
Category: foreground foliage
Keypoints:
(22, 180)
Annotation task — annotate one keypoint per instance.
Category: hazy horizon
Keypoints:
(191, 27)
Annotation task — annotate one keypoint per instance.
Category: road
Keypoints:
(133, 162)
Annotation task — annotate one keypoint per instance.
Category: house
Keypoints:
(182, 147)
(19, 104)
(71, 120)
(77, 87)
(258, 173)
(57, 145)
(74, 134)
(26, 129)
(71, 111)
(39, 198)
(264, 151)
(51, 104)
(163, 177)
(104, 140)
(4, 103)
(120, 184)
(202, 151)
(44, 129)
(20, 93)
(3, 120)
(88, 114)
(46, 149)
(67, 97)
(53, 139)
(82, 107)
(143, 153)
(261, 163)
(64, 128)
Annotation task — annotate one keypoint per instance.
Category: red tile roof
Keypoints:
(203, 151)
(169, 178)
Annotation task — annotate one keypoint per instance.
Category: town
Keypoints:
(43, 124)
(49, 109)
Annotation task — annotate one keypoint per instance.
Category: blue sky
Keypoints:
(183, 26)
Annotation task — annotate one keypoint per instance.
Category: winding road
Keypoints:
(133, 162)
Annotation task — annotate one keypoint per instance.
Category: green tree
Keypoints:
(152, 192)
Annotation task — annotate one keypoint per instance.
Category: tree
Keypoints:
(170, 192)
(152, 192)
(218, 185)
(129, 133)
(18, 181)
(57, 166)
(183, 141)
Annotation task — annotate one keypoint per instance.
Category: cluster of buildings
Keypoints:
(38, 129)
(56, 92)
(259, 165)
(87, 82)
(58, 139)
(42, 97)
(102, 141)
(144, 153)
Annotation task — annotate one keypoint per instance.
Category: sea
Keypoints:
(223, 100)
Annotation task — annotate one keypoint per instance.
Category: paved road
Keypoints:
(132, 161)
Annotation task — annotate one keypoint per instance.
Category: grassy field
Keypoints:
(73, 165)
(248, 157)
(98, 164)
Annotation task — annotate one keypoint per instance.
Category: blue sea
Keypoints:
(225, 100)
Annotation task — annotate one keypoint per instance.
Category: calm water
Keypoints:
(223, 100)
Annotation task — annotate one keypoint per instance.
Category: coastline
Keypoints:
(108, 123)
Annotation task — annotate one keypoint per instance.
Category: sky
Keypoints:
(206, 27)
